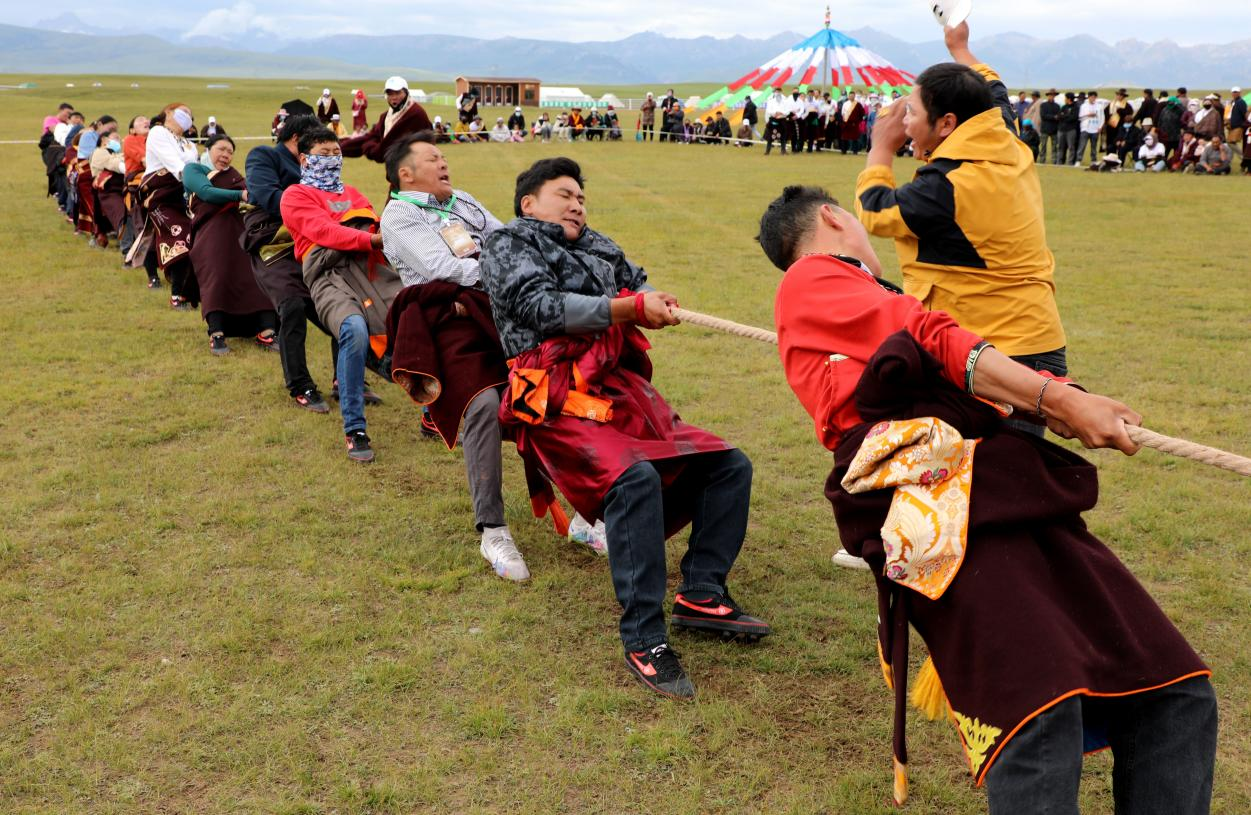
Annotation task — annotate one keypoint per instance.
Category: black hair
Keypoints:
(788, 220)
(158, 119)
(398, 153)
(215, 138)
(542, 171)
(956, 89)
(297, 126)
(131, 126)
(105, 120)
(65, 106)
(318, 135)
(77, 113)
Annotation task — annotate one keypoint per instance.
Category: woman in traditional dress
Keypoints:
(167, 152)
(231, 302)
(82, 146)
(360, 122)
(107, 170)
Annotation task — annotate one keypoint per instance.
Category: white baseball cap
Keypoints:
(325, 91)
(1235, 89)
(396, 83)
(212, 120)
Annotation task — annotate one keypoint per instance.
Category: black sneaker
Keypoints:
(658, 668)
(267, 340)
(716, 614)
(358, 448)
(154, 283)
(428, 428)
(217, 345)
(311, 400)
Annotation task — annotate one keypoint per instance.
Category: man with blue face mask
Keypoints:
(337, 241)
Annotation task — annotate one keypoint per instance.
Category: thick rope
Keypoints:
(1140, 435)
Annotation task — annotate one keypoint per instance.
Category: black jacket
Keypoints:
(1049, 112)
(749, 112)
(1070, 116)
(270, 170)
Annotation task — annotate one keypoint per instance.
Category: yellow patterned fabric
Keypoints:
(930, 465)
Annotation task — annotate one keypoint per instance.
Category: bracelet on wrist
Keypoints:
(1038, 402)
(971, 363)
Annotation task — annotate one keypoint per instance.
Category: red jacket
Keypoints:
(315, 218)
(825, 306)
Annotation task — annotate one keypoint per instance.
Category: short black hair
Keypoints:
(949, 87)
(788, 220)
(77, 113)
(542, 171)
(318, 135)
(65, 106)
(215, 138)
(397, 154)
(105, 120)
(1181, 91)
(296, 126)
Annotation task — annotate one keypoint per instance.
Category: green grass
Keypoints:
(204, 607)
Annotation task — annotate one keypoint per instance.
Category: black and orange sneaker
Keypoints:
(267, 340)
(358, 448)
(716, 614)
(311, 400)
(428, 428)
(658, 668)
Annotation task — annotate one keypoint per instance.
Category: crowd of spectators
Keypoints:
(1164, 133)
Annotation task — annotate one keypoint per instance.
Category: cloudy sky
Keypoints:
(1109, 20)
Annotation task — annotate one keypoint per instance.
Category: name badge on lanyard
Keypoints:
(458, 239)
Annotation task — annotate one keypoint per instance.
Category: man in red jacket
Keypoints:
(1045, 644)
(403, 116)
(337, 241)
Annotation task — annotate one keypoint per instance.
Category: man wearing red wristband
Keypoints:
(584, 414)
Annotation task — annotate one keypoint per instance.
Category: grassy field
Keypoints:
(205, 608)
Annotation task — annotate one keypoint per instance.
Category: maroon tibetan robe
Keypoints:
(222, 268)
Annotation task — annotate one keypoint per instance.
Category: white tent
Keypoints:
(554, 97)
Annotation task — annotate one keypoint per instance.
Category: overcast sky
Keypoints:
(1109, 20)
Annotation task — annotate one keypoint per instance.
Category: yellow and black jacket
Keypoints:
(969, 231)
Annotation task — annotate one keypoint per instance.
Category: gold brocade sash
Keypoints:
(930, 465)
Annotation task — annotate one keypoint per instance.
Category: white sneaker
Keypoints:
(500, 550)
(593, 536)
(849, 561)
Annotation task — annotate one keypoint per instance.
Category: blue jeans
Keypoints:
(353, 350)
(715, 488)
(1163, 750)
(1053, 361)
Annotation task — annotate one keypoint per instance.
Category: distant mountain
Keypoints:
(646, 58)
(28, 50)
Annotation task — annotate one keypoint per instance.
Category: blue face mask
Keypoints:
(115, 146)
(323, 173)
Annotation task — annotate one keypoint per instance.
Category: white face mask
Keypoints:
(182, 118)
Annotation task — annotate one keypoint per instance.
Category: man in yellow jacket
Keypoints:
(968, 228)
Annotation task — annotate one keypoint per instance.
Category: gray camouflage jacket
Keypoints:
(542, 285)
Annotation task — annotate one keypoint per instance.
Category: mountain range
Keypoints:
(66, 44)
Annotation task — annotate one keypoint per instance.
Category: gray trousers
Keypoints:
(480, 440)
(1045, 156)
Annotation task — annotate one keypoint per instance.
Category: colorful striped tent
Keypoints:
(828, 58)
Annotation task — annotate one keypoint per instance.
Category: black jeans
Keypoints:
(1163, 748)
(716, 489)
(294, 314)
(1055, 362)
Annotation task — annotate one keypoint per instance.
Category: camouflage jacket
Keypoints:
(542, 285)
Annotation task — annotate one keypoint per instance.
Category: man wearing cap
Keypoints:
(213, 128)
(1237, 120)
(1070, 118)
(1048, 128)
(403, 116)
(1090, 118)
(517, 121)
(1118, 109)
(327, 107)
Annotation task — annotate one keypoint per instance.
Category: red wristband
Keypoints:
(640, 316)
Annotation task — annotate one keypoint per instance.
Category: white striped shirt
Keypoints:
(412, 239)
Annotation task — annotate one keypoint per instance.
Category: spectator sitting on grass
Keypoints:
(1150, 155)
(612, 124)
(1030, 136)
(721, 128)
(744, 135)
(577, 124)
(499, 133)
(1215, 159)
(1187, 155)
(594, 126)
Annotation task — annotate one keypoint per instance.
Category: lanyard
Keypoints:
(444, 212)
